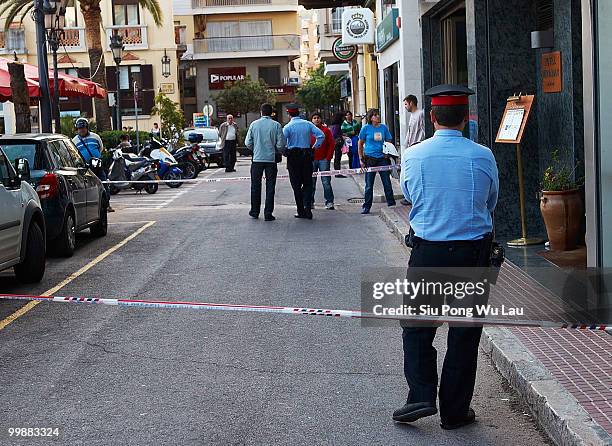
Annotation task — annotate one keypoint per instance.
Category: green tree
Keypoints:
(319, 91)
(171, 117)
(92, 16)
(244, 96)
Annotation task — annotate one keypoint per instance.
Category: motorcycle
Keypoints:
(190, 159)
(167, 166)
(125, 169)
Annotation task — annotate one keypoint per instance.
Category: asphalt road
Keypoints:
(119, 376)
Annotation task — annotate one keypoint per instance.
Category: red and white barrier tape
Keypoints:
(354, 314)
(327, 173)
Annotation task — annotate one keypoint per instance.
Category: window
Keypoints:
(15, 40)
(27, 151)
(60, 154)
(128, 75)
(336, 20)
(270, 75)
(75, 156)
(125, 12)
(71, 14)
(240, 36)
(454, 49)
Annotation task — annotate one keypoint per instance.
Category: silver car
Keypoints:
(209, 143)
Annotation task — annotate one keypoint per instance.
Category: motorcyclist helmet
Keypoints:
(81, 123)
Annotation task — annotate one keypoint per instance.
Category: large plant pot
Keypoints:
(562, 212)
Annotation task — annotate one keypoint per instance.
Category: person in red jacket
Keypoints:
(322, 162)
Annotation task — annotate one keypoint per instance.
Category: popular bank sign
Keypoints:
(217, 77)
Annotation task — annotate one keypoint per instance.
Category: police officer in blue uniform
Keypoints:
(452, 183)
(300, 154)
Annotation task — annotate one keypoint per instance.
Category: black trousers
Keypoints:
(460, 363)
(299, 165)
(229, 155)
(338, 157)
(257, 171)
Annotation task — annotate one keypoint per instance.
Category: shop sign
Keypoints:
(358, 26)
(387, 31)
(166, 88)
(285, 89)
(200, 120)
(217, 77)
(343, 52)
(552, 76)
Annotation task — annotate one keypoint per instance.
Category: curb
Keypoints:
(557, 411)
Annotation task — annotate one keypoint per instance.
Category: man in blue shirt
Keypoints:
(452, 183)
(265, 138)
(299, 158)
(90, 146)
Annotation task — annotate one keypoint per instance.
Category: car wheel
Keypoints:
(66, 242)
(32, 269)
(100, 228)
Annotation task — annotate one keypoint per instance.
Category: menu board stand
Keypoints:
(511, 129)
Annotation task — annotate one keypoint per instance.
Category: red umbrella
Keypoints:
(5, 84)
(69, 86)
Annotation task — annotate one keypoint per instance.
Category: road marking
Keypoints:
(50, 292)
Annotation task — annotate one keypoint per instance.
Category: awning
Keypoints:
(336, 68)
(69, 86)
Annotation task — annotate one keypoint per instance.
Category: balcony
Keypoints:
(134, 36)
(13, 41)
(73, 40)
(247, 46)
(241, 6)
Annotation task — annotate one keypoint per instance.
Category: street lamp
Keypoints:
(116, 46)
(165, 65)
(40, 7)
(192, 70)
(55, 20)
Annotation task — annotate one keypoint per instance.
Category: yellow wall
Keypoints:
(371, 80)
(282, 22)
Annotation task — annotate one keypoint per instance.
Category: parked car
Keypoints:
(209, 143)
(22, 223)
(71, 195)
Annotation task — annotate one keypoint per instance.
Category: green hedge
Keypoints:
(110, 138)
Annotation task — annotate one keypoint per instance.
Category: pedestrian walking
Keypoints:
(228, 137)
(322, 162)
(351, 128)
(299, 158)
(416, 121)
(453, 185)
(265, 138)
(90, 146)
(336, 129)
(372, 138)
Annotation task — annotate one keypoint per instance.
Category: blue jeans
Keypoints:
(322, 166)
(385, 177)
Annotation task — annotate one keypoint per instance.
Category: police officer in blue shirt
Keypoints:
(452, 183)
(299, 158)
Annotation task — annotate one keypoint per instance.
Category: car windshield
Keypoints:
(207, 134)
(24, 150)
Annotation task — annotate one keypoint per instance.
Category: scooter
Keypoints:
(167, 165)
(125, 169)
(190, 160)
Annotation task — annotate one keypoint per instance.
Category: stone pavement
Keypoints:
(564, 375)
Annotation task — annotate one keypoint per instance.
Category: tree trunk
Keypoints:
(21, 99)
(93, 38)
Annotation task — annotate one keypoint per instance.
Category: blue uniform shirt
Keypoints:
(298, 133)
(452, 183)
(374, 138)
(90, 146)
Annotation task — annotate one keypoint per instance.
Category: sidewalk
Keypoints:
(564, 375)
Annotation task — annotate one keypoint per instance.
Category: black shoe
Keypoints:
(300, 216)
(340, 176)
(308, 215)
(270, 218)
(467, 419)
(414, 411)
(253, 215)
(405, 202)
(391, 204)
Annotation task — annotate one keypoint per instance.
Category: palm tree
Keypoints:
(93, 38)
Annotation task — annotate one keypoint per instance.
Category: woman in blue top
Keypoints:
(372, 138)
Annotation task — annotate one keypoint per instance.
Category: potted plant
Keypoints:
(561, 205)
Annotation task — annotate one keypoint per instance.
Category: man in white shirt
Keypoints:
(416, 126)
(228, 134)
(416, 122)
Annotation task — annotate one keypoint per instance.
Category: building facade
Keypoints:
(145, 46)
(227, 41)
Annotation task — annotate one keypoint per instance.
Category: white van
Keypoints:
(22, 224)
